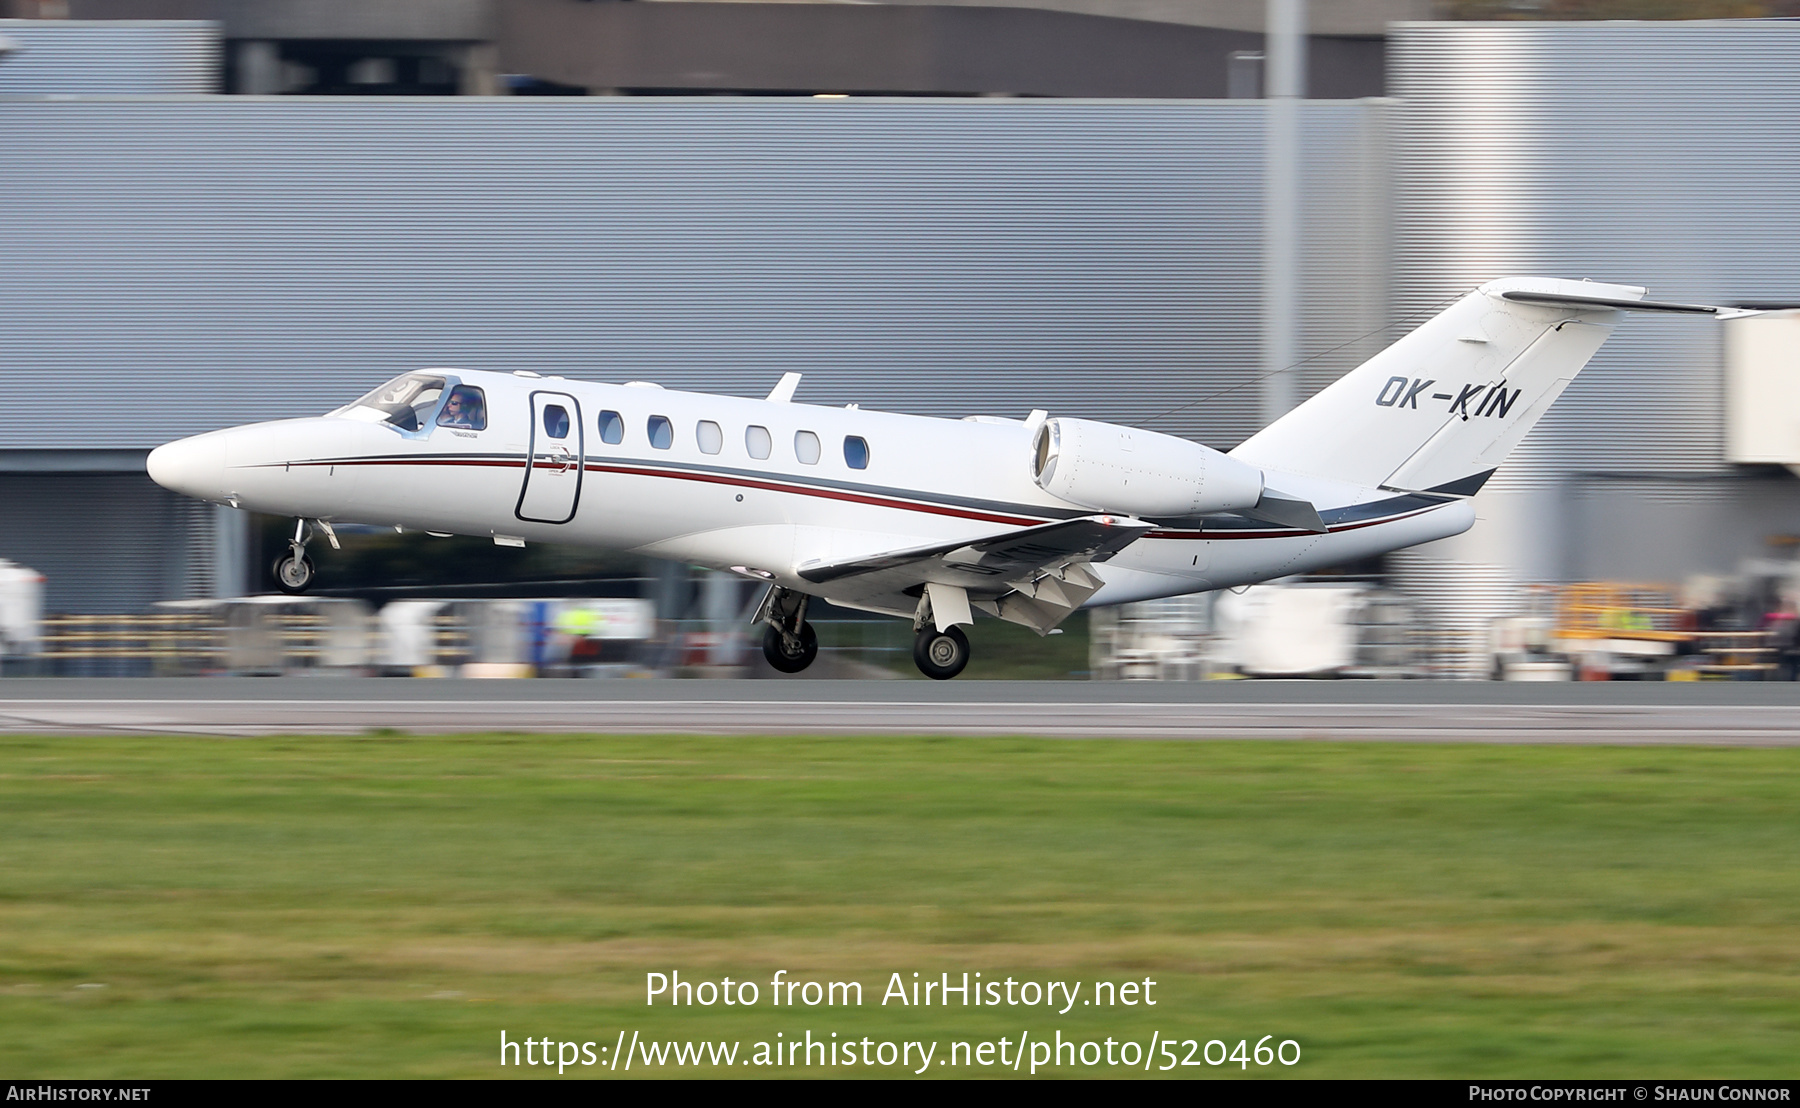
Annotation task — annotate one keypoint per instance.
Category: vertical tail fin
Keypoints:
(1444, 406)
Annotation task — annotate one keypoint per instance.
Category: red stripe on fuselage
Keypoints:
(828, 494)
(711, 479)
(851, 497)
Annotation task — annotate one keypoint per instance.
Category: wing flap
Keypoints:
(994, 561)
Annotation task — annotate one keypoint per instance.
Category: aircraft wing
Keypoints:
(1034, 576)
(989, 563)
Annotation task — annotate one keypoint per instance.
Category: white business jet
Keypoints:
(927, 519)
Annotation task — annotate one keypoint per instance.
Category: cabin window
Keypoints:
(662, 432)
(466, 409)
(405, 402)
(806, 447)
(612, 427)
(856, 453)
(556, 421)
(757, 441)
(710, 438)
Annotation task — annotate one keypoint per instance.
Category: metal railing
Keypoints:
(202, 641)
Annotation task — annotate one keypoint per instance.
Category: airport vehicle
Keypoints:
(923, 518)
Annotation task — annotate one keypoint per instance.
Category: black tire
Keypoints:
(293, 576)
(777, 650)
(941, 655)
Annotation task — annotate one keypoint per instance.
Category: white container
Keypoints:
(499, 636)
(1762, 389)
(409, 633)
(1288, 630)
(21, 609)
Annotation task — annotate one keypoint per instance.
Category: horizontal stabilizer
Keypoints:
(1559, 300)
(1288, 511)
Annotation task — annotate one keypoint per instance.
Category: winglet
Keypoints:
(783, 392)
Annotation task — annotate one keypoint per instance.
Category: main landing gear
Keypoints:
(294, 570)
(789, 642)
(940, 655)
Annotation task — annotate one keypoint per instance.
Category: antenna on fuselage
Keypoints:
(783, 392)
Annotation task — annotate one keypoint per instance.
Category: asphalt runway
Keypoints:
(1705, 713)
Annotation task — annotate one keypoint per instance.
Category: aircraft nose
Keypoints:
(193, 466)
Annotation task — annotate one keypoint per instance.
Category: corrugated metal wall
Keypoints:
(105, 542)
(178, 265)
(1659, 154)
(109, 57)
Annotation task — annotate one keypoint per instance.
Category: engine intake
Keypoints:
(1110, 468)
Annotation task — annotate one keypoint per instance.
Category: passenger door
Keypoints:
(554, 458)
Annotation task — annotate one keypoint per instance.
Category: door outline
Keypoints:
(531, 453)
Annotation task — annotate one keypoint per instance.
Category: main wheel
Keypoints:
(791, 657)
(941, 655)
(293, 575)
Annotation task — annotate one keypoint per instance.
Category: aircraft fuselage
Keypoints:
(683, 481)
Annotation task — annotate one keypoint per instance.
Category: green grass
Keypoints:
(386, 906)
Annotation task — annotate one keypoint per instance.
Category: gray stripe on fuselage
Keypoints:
(1045, 512)
(1353, 513)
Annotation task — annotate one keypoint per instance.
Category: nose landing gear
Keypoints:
(293, 571)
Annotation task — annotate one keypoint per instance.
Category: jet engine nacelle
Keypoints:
(1141, 473)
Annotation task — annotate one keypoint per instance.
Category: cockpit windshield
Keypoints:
(405, 402)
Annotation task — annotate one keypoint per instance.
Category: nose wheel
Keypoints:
(293, 572)
(940, 655)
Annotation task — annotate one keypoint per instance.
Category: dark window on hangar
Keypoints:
(662, 432)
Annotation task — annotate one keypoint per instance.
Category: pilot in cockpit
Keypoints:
(464, 410)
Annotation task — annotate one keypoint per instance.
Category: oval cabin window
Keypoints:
(612, 428)
(556, 421)
(806, 447)
(710, 438)
(662, 432)
(856, 452)
(757, 441)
